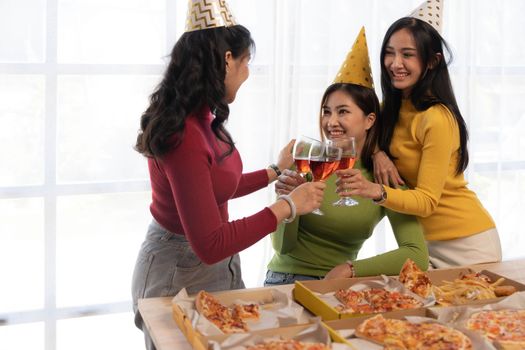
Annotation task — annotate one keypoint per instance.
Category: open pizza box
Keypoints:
(318, 295)
(459, 316)
(277, 310)
(315, 332)
(342, 331)
(310, 294)
(440, 277)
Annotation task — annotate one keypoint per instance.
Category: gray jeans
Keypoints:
(274, 278)
(166, 263)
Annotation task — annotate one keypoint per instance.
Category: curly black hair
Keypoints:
(193, 79)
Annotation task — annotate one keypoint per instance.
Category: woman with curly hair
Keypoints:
(195, 169)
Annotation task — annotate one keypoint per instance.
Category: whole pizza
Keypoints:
(374, 300)
(401, 334)
(505, 327)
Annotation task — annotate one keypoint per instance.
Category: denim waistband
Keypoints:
(157, 232)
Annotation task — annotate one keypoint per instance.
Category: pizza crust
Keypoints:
(199, 302)
(246, 311)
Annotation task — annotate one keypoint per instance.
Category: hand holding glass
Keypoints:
(301, 152)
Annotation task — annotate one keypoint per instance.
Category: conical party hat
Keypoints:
(356, 67)
(430, 11)
(204, 14)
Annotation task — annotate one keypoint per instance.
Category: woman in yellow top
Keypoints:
(425, 135)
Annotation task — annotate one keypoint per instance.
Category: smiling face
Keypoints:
(237, 71)
(342, 117)
(402, 61)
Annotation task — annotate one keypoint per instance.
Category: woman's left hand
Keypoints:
(385, 171)
(339, 271)
(285, 159)
(351, 182)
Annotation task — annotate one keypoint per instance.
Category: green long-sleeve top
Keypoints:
(313, 244)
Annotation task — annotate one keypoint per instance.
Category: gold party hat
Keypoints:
(204, 14)
(430, 11)
(356, 67)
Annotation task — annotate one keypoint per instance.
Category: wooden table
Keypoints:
(156, 312)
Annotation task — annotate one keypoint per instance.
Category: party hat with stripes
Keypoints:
(205, 14)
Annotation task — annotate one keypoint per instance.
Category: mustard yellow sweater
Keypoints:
(426, 147)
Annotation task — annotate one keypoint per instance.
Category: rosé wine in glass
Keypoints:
(348, 159)
(324, 161)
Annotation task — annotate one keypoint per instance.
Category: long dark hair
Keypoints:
(433, 87)
(366, 100)
(193, 79)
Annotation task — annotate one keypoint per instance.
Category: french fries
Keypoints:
(461, 291)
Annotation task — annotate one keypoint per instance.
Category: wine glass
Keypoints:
(323, 160)
(301, 151)
(348, 158)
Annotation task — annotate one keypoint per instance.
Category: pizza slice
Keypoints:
(414, 279)
(234, 325)
(354, 302)
(246, 311)
(207, 305)
(349, 298)
(221, 316)
(374, 300)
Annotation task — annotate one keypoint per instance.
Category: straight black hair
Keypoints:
(434, 87)
(366, 99)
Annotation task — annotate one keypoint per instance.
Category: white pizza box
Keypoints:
(276, 307)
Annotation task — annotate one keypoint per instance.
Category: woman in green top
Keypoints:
(314, 246)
